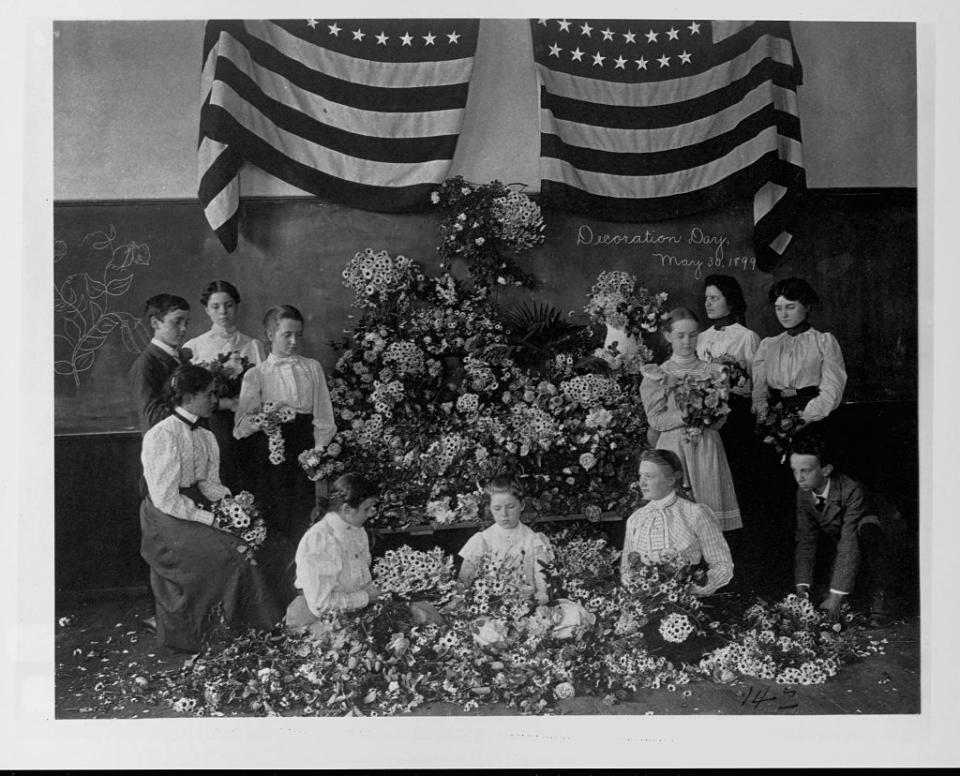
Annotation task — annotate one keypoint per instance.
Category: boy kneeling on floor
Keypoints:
(835, 507)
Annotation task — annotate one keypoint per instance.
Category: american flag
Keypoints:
(651, 120)
(364, 112)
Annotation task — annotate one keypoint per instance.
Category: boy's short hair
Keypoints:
(276, 314)
(809, 441)
(161, 304)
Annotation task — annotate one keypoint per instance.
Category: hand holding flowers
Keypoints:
(702, 402)
(241, 516)
(269, 420)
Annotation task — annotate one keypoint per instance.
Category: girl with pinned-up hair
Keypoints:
(333, 557)
(800, 367)
(220, 300)
(704, 460)
(194, 565)
(670, 523)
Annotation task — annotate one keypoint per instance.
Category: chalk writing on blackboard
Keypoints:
(81, 303)
(696, 250)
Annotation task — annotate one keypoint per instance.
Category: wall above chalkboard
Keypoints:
(858, 249)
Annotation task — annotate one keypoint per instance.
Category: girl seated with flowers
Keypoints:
(195, 563)
(333, 557)
(508, 539)
(669, 524)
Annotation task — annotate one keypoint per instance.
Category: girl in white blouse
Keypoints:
(220, 300)
(284, 378)
(333, 557)
(800, 367)
(508, 539)
(669, 522)
(193, 564)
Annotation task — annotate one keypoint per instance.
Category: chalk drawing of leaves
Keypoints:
(130, 253)
(82, 303)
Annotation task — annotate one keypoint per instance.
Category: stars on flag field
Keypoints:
(615, 55)
(382, 39)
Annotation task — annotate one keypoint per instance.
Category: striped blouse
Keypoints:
(690, 529)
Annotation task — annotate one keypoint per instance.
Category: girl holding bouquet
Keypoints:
(194, 565)
(297, 388)
(729, 342)
(800, 368)
(700, 449)
(669, 523)
(798, 379)
(230, 352)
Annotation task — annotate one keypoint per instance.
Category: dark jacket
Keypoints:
(147, 376)
(845, 508)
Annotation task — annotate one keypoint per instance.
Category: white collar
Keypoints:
(273, 358)
(166, 348)
(666, 501)
(826, 491)
(187, 414)
(220, 332)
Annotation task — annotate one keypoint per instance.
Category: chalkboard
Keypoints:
(858, 249)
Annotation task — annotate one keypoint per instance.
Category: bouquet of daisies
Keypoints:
(269, 420)
(411, 575)
(656, 592)
(702, 401)
(241, 516)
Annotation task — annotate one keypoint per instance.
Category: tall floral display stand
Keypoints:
(437, 390)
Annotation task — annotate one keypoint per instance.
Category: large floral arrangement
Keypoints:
(481, 222)
(431, 402)
(702, 402)
(618, 300)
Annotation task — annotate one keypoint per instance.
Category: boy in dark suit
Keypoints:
(835, 508)
(168, 316)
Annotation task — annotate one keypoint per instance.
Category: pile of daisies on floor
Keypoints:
(597, 637)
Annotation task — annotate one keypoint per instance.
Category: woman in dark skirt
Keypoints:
(799, 370)
(728, 340)
(220, 300)
(194, 565)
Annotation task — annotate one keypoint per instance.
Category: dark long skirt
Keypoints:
(286, 493)
(231, 474)
(193, 567)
